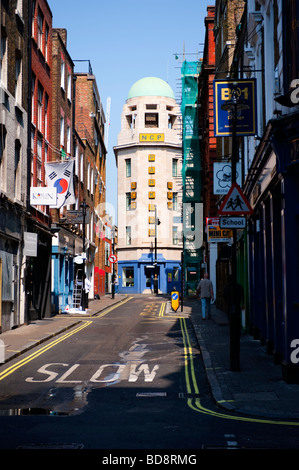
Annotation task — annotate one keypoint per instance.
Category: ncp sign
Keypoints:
(246, 118)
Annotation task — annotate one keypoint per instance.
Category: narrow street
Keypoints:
(131, 377)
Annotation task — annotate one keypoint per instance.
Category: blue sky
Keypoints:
(126, 41)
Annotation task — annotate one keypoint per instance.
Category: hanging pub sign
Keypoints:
(246, 114)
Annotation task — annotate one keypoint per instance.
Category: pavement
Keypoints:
(257, 389)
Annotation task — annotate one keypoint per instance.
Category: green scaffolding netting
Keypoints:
(191, 174)
(191, 151)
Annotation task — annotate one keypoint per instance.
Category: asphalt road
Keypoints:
(131, 378)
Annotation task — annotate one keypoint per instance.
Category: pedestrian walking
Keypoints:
(205, 292)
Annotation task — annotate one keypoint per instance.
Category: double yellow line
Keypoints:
(192, 388)
(34, 355)
(112, 308)
(162, 309)
(44, 349)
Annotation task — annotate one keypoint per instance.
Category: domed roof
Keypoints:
(150, 86)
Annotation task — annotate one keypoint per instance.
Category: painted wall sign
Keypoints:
(151, 137)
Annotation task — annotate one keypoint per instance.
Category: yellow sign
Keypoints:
(151, 158)
(151, 137)
(151, 170)
(217, 234)
(152, 195)
(151, 182)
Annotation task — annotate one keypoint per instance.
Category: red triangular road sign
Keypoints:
(235, 202)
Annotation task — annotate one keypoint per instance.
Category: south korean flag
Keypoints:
(60, 176)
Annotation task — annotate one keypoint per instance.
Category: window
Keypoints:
(171, 121)
(40, 107)
(107, 253)
(33, 17)
(175, 273)
(81, 168)
(33, 99)
(46, 116)
(19, 7)
(128, 167)
(17, 187)
(62, 131)
(46, 43)
(175, 239)
(40, 23)
(76, 160)
(151, 120)
(18, 79)
(175, 201)
(128, 201)
(68, 135)
(174, 167)
(2, 156)
(3, 60)
(39, 162)
(92, 181)
(88, 176)
(62, 74)
(128, 277)
(69, 87)
(128, 236)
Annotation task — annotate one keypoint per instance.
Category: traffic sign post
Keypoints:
(232, 222)
(112, 259)
(175, 300)
(235, 202)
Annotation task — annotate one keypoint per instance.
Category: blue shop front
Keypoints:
(65, 246)
(139, 276)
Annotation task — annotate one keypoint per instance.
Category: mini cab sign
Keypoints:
(215, 233)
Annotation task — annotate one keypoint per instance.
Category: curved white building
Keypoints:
(148, 158)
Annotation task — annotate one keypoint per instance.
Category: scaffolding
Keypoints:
(191, 172)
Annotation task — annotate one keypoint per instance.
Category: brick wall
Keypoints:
(41, 71)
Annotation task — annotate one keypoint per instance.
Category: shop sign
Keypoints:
(43, 196)
(215, 233)
(246, 118)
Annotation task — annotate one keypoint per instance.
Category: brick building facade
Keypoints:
(40, 85)
(14, 190)
(90, 123)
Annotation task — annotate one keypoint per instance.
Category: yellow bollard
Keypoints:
(175, 300)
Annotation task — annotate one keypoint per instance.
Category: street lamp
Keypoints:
(113, 266)
(83, 207)
(156, 277)
(235, 104)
